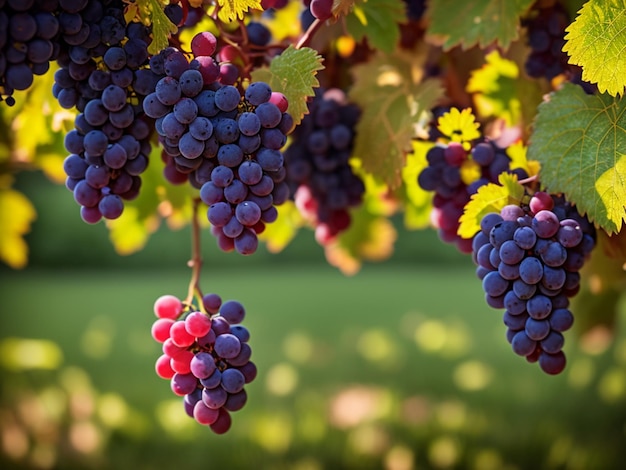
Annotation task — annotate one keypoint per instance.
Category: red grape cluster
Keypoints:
(206, 357)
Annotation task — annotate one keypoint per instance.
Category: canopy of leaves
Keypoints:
(580, 141)
(293, 73)
(391, 97)
(489, 198)
(378, 21)
(342, 7)
(481, 22)
(16, 215)
(596, 41)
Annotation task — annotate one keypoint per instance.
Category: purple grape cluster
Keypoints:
(106, 77)
(321, 179)
(28, 42)
(545, 37)
(227, 142)
(443, 175)
(529, 261)
(206, 357)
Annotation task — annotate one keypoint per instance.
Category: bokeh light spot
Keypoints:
(443, 452)
(24, 354)
(399, 457)
(376, 345)
(298, 347)
(281, 379)
(472, 375)
(359, 404)
(612, 386)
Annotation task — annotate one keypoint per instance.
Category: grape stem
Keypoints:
(307, 37)
(195, 263)
(529, 180)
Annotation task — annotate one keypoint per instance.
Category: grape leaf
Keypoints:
(378, 21)
(418, 203)
(481, 22)
(279, 233)
(16, 215)
(495, 90)
(231, 10)
(596, 41)
(162, 27)
(580, 141)
(391, 98)
(459, 126)
(293, 73)
(284, 23)
(491, 197)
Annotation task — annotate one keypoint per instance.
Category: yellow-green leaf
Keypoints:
(418, 203)
(293, 73)
(481, 22)
(459, 126)
(389, 91)
(491, 197)
(596, 41)
(16, 215)
(495, 89)
(231, 10)
(162, 27)
(580, 140)
(284, 23)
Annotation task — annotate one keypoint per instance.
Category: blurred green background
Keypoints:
(402, 366)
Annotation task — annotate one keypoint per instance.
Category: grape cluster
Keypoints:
(545, 37)
(106, 77)
(229, 145)
(206, 357)
(321, 179)
(28, 32)
(454, 174)
(529, 260)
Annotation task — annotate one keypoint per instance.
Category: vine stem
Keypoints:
(195, 263)
(309, 33)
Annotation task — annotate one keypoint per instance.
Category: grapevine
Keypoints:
(506, 137)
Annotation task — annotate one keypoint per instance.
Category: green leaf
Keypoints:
(16, 215)
(596, 41)
(481, 22)
(231, 10)
(491, 197)
(162, 27)
(580, 141)
(391, 99)
(293, 73)
(378, 21)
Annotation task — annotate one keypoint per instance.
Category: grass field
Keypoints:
(398, 368)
